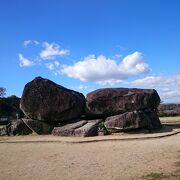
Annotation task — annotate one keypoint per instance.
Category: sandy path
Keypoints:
(98, 160)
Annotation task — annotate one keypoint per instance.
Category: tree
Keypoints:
(2, 91)
(10, 106)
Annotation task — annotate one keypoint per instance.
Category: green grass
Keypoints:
(175, 175)
(156, 176)
(177, 163)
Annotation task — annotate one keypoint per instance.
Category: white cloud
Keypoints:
(52, 65)
(104, 70)
(111, 82)
(28, 42)
(117, 56)
(51, 51)
(80, 87)
(169, 96)
(172, 94)
(24, 62)
(154, 81)
(148, 81)
(36, 42)
(134, 64)
(56, 63)
(167, 86)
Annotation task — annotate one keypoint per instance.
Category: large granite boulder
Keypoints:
(126, 121)
(112, 101)
(132, 120)
(155, 123)
(39, 127)
(45, 100)
(81, 128)
(68, 129)
(16, 127)
(88, 130)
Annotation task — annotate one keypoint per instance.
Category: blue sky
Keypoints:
(90, 44)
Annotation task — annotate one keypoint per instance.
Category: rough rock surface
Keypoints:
(126, 121)
(3, 131)
(132, 120)
(45, 100)
(81, 128)
(68, 129)
(39, 127)
(155, 123)
(89, 129)
(16, 127)
(112, 101)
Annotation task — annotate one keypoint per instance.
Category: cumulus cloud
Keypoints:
(28, 42)
(49, 51)
(104, 70)
(24, 62)
(134, 64)
(52, 50)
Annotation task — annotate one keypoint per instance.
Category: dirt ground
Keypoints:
(116, 160)
(99, 160)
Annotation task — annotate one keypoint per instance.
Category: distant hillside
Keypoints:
(169, 109)
(9, 107)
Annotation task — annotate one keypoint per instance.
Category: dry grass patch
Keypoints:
(163, 176)
(155, 176)
(175, 119)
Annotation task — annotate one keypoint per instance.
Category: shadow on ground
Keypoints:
(166, 128)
